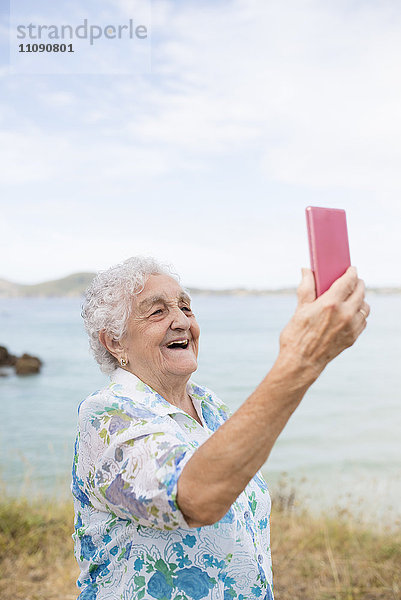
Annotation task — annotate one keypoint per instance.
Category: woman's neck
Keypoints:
(173, 389)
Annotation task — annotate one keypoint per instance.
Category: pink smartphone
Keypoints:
(328, 245)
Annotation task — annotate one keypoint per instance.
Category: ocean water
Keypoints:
(341, 448)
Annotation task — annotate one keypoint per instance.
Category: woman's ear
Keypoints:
(112, 345)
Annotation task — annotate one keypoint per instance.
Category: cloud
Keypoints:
(311, 88)
(59, 99)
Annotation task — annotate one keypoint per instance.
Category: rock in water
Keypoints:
(6, 359)
(27, 364)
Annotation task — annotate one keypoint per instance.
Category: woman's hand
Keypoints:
(322, 328)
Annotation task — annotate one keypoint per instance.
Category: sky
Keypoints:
(207, 155)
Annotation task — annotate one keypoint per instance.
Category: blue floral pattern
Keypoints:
(131, 540)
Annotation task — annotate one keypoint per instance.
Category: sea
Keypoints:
(340, 451)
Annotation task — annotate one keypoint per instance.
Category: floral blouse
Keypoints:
(131, 539)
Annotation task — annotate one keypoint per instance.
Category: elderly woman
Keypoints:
(169, 500)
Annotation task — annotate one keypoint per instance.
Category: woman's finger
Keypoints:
(344, 286)
(364, 310)
(356, 299)
(306, 291)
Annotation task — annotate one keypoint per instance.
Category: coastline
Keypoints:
(74, 286)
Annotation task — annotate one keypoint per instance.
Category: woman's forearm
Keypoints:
(319, 330)
(223, 466)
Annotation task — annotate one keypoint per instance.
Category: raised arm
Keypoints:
(319, 330)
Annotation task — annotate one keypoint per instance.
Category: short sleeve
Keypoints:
(133, 462)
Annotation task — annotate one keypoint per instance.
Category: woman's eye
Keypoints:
(186, 308)
(157, 312)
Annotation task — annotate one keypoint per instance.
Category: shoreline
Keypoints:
(289, 494)
(74, 286)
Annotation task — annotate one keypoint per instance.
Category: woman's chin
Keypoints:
(185, 369)
(180, 362)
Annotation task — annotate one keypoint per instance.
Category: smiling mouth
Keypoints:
(178, 344)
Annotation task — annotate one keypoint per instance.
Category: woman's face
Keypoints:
(161, 314)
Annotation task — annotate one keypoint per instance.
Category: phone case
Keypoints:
(328, 245)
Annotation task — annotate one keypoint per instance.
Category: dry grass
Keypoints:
(333, 558)
(36, 551)
(314, 558)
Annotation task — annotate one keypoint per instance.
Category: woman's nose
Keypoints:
(179, 320)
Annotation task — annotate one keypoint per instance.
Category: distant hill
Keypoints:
(73, 285)
(76, 284)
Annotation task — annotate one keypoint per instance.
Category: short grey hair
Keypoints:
(108, 302)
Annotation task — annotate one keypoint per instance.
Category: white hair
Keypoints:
(108, 302)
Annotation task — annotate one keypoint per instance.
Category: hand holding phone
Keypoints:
(328, 245)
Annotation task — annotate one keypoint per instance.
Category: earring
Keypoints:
(124, 362)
